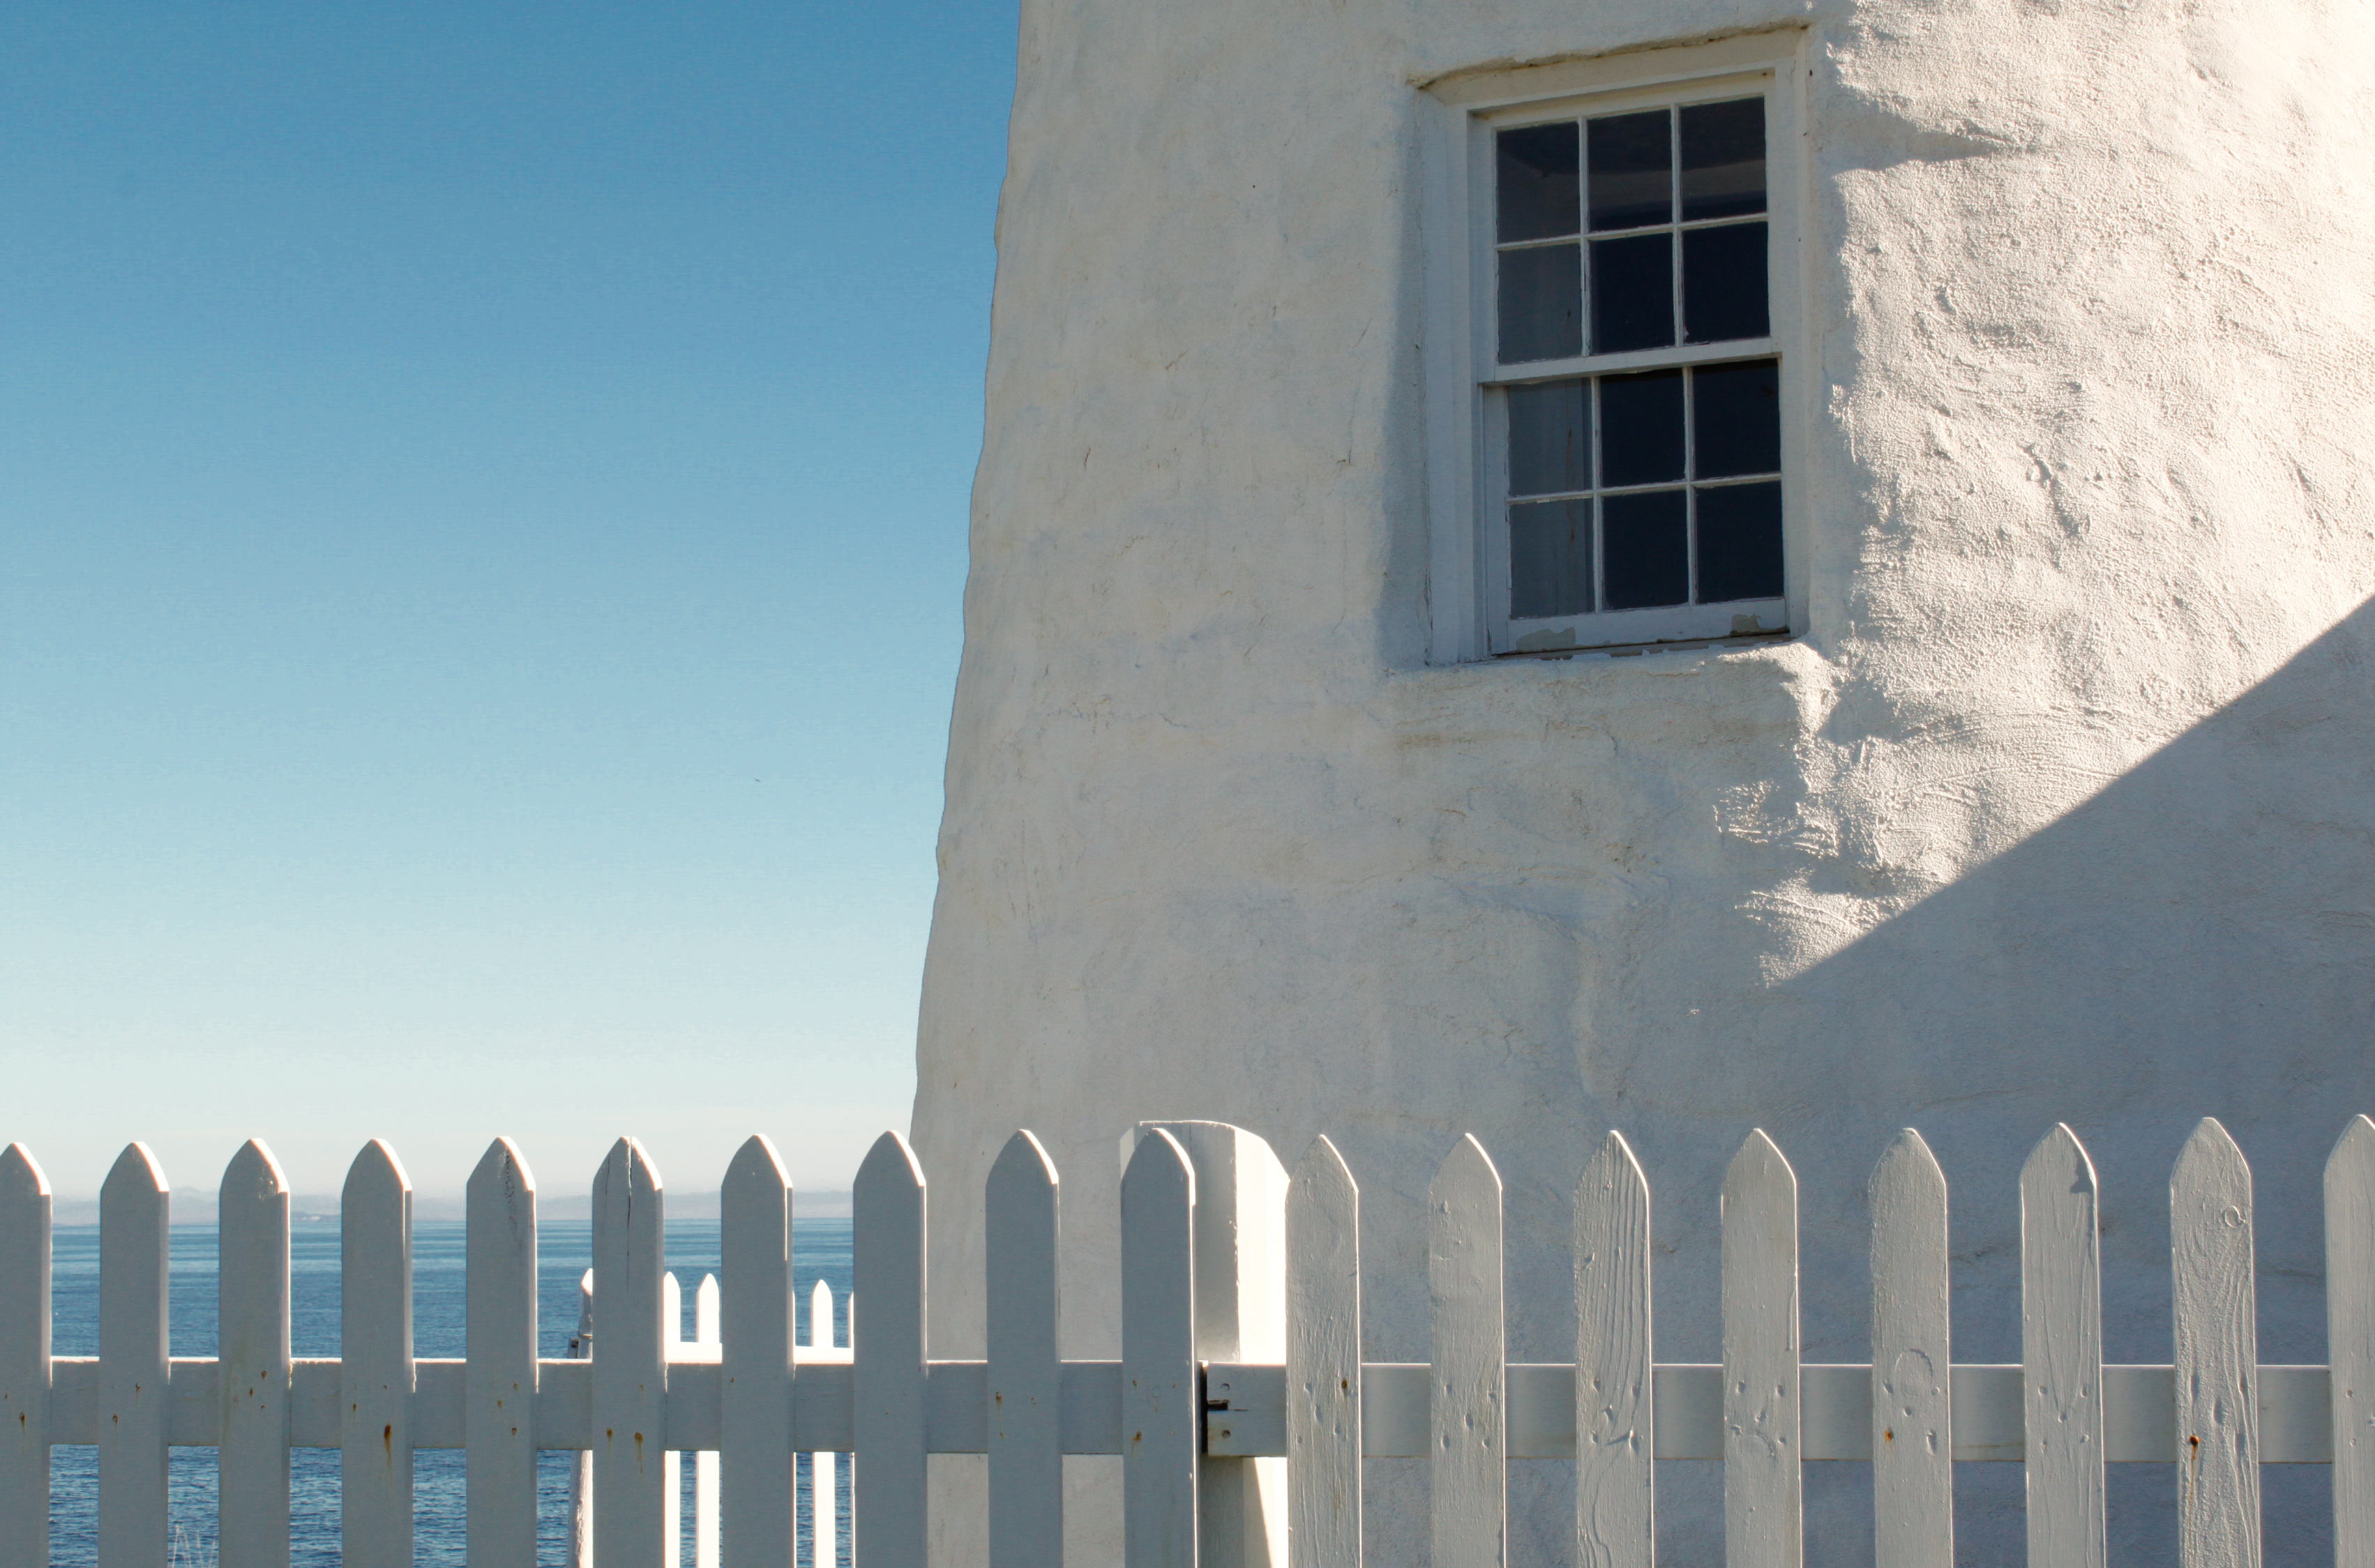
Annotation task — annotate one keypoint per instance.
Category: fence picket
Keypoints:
(887, 1350)
(1323, 1362)
(629, 1360)
(671, 1462)
(24, 1209)
(252, 1282)
(581, 1469)
(1468, 1408)
(500, 1383)
(1615, 1478)
(1162, 1415)
(134, 1355)
(2350, 1339)
(2061, 1351)
(2217, 1346)
(1912, 1423)
(376, 1350)
(754, 1206)
(704, 1463)
(1763, 1496)
(1021, 1220)
(824, 1466)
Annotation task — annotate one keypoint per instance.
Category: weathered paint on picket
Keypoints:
(1467, 1333)
(134, 1355)
(1021, 1223)
(499, 1386)
(629, 1390)
(1162, 1408)
(376, 1373)
(2350, 1339)
(1616, 1441)
(754, 1206)
(1763, 1497)
(887, 1351)
(1912, 1391)
(1323, 1362)
(252, 1282)
(2217, 1336)
(2061, 1355)
(25, 1216)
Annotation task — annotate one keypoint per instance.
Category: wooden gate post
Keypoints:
(1240, 1316)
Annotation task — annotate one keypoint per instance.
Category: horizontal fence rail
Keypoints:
(1240, 1408)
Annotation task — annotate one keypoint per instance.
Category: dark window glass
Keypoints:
(1632, 171)
(1644, 538)
(1541, 303)
(1736, 419)
(1723, 283)
(1540, 198)
(1550, 436)
(1740, 544)
(1631, 293)
(1641, 428)
(1724, 158)
(1549, 559)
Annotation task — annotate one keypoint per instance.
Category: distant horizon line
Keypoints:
(196, 1205)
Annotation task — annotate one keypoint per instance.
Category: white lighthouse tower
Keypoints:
(1681, 566)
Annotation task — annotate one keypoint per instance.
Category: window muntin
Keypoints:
(1642, 501)
(1674, 251)
(1646, 489)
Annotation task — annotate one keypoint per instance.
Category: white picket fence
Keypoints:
(1241, 1408)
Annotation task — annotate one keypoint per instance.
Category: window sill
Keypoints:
(1635, 650)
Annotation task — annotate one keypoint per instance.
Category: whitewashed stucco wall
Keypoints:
(2061, 806)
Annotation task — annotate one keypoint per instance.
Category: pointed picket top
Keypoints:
(627, 1185)
(2062, 1353)
(376, 1173)
(135, 1175)
(2216, 1352)
(756, 1163)
(20, 1174)
(1615, 1503)
(1763, 1491)
(2350, 1337)
(253, 1173)
(1323, 1362)
(1024, 1160)
(821, 1330)
(889, 1167)
(501, 1185)
(25, 1205)
(1913, 1479)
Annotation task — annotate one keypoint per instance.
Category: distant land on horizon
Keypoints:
(194, 1206)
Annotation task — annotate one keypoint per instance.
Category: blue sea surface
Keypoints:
(564, 1251)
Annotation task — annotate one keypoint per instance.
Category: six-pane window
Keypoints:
(1657, 485)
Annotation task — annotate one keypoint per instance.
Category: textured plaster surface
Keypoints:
(2059, 808)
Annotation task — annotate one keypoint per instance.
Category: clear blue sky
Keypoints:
(483, 489)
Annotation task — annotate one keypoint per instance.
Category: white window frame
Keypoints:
(1468, 597)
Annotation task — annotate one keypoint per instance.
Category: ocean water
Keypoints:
(564, 1251)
